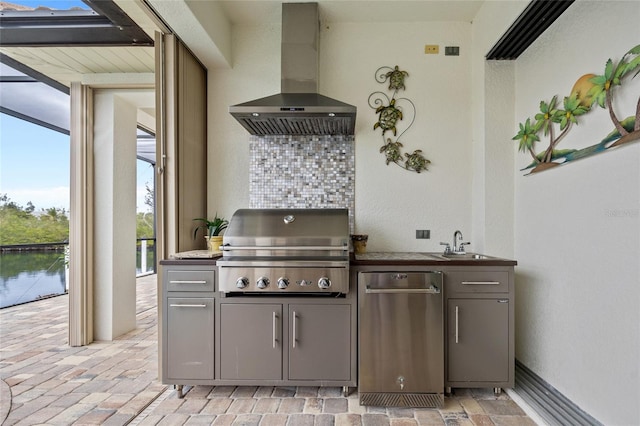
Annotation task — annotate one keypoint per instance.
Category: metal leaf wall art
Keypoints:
(392, 111)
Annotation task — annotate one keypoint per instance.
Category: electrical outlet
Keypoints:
(423, 234)
(452, 50)
(430, 49)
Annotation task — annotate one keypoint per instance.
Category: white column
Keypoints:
(115, 215)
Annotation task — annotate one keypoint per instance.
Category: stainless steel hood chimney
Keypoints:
(299, 109)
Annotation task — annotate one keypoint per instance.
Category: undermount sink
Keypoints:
(465, 256)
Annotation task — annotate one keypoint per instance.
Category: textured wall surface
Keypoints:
(577, 227)
(390, 203)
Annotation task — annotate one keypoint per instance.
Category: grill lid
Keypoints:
(287, 232)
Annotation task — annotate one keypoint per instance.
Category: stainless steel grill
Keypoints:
(286, 251)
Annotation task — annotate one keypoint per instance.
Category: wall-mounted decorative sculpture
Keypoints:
(390, 112)
(589, 91)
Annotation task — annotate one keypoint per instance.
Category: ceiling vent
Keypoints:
(535, 19)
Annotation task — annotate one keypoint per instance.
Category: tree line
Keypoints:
(25, 225)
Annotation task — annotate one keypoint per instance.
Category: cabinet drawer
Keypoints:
(193, 280)
(477, 281)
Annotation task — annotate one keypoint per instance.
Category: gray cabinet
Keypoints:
(187, 313)
(190, 338)
(290, 343)
(319, 342)
(480, 327)
(250, 341)
(479, 300)
(209, 338)
(478, 340)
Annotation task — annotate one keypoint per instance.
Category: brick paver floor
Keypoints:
(45, 381)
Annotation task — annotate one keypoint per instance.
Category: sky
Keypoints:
(53, 4)
(34, 166)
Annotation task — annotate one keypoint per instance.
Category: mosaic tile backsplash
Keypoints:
(302, 172)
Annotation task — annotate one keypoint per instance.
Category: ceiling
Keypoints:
(89, 64)
(93, 64)
(109, 65)
(254, 12)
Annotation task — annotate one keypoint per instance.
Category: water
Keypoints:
(31, 275)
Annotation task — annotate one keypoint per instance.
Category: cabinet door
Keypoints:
(319, 342)
(478, 340)
(190, 337)
(250, 341)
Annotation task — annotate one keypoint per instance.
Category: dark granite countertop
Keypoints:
(422, 258)
(202, 257)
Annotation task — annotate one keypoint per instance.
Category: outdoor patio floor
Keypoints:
(45, 381)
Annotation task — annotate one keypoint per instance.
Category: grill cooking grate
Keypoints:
(429, 400)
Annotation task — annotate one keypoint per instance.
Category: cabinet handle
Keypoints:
(188, 282)
(294, 329)
(187, 306)
(480, 282)
(430, 290)
(274, 330)
(456, 324)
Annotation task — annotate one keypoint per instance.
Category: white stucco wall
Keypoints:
(255, 73)
(492, 97)
(577, 227)
(391, 203)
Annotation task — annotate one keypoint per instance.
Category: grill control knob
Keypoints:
(283, 283)
(263, 282)
(242, 282)
(324, 283)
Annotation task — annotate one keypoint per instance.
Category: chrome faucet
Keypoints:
(457, 236)
(455, 248)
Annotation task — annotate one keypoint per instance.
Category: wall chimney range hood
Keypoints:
(299, 109)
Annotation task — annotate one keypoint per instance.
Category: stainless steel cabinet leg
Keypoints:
(447, 390)
(345, 391)
(179, 390)
(497, 391)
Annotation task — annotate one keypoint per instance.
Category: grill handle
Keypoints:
(227, 247)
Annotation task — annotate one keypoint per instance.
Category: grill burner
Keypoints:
(286, 251)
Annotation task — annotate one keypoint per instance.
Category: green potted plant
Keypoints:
(214, 229)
